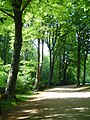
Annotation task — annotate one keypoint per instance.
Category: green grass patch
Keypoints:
(10, 103)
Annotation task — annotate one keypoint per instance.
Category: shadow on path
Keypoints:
(53, 104)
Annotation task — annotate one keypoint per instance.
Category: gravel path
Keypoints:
(60, 103)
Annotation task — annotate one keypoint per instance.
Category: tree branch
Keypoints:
(7, 13)
(25, 5)
(34, 44)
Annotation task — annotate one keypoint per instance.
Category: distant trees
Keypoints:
(5, 48)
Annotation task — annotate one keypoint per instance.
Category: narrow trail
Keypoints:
(60, 103)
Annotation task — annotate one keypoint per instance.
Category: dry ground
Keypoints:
(60, 103)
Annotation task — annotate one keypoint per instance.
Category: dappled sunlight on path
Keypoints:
(68, 88)
(53, 95)
(63, 92)
(61, 103)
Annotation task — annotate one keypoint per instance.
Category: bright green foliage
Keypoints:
(88, 70)
(26, 76)
(45, 73)
(3, 75)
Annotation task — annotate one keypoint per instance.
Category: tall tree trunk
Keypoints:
(52, 59)
(50, 79)
(78, 61)
(38, 69)
(84, 72)
(52, 66)
(11, 82)
(64, 65)
(59, 71)
(42, 56)
(51, 44)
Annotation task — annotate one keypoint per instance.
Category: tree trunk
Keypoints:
(52, 58)
(38, 69)
(59, 72)
(49, 82)
(11, 82)
(84, 73)
(51, 44)
(78, 61)
(64, 68)
(42, 56)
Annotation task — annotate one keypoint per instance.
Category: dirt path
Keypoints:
(62, 103)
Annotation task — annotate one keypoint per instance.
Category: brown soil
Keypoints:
(60, 103)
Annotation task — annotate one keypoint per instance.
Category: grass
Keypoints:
(10, 103)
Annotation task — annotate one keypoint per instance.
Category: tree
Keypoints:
(40, 63)
(38, 68)
(18, 6)
(80, 20)
(51, 42)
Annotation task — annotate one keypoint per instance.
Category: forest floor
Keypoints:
(60, 103)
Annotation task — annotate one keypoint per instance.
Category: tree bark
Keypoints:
(84, 73)
(59, 72)
(64, 68)
(42, 56)
(38, 68)
(78, 61)
(50, 79)
(11, 82)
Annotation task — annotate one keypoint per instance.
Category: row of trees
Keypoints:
(62, 25)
